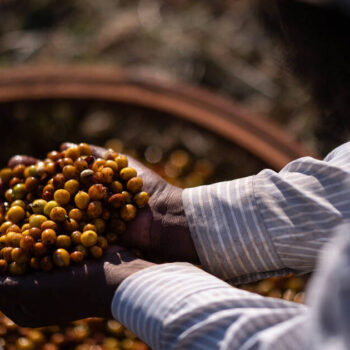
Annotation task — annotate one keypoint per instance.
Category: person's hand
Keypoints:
(79, 291)
(160, 229)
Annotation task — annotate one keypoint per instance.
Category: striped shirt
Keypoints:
(244, 230)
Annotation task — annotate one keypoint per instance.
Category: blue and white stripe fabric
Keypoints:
(271, 223)
(244, 230)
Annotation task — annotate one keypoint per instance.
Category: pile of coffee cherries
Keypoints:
(66, 208)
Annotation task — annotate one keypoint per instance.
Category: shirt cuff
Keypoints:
(228, 232)
(144, 300)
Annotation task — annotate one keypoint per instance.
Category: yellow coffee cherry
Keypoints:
(61, 258)
(16, 214)
(58, 214)
(141, 199)
(36, 220)
(128, 173)
(89, 238)
(82, 200)
(72, 186)
(49, 206)
(63, 241)
(62, 197)
(128, 212)
(38, 206)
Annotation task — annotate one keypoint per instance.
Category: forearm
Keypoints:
(177, 306)
(272, 223)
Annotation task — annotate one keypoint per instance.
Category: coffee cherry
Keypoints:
(88, 238)
(34, 263)
(85, 149)
(96, 252)
(36, 220)
(19, 191)
(128, 212)
(31, 184)
(107, 175)
(38, 206)
(50, 168)
(97, 192)
(100, 225)
(121, 161)
(88, 177)
(49, 187)
(6, 174)
(63, 241)
(19, 255)
(128, 173)
(35, 232)
(81, 164)
(46, 263)
(49, 206)
(117, 187)
(19, 203)
(15, 181)
(16, 268)
(40, 249)
(13, 228)
(59, 180)
(112, 164)
(134, 185)
(127, 196)
(62, 197)
(6, 254)
(72, 152)
(18, 170)
(141, 199)
(70, 172)
(16, 214)
(58, 214)
(89, 227)
(13, 239)
(82, 200)
(9, 195)
(49, 224)
(47, 195)
(116, 201)
(70, 225)
(98, 163)
(102, 242)
(76, 237)
(3, 267)
(4, 226)
(77, 257)
(48, 236)
(80, 248)
(27, 242)
(72, 186)
(54, 155)
(61, 257)
(25, 227)
(94, 209)
(76, 214)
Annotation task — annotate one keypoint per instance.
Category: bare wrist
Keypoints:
(170, 233)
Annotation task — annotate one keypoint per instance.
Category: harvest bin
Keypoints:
(187, 134)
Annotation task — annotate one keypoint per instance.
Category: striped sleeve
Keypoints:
(178, 306)
(272, 223)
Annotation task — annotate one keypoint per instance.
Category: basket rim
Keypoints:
(207, 109)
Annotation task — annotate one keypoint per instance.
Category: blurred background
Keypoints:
(219, 45)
